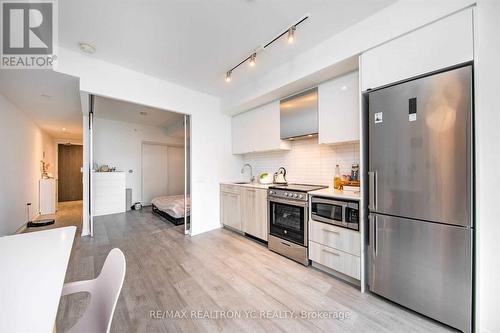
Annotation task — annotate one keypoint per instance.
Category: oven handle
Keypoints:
(287, 202)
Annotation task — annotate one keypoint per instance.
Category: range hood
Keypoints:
(299, 115)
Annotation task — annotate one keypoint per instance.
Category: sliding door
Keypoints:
(187, 175)
(91, 164)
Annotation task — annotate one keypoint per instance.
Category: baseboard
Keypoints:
(21, 229)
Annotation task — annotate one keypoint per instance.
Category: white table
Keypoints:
(32, 271)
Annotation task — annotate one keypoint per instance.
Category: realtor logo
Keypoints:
(27, 34)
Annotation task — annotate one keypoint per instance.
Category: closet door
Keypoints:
(154, 171)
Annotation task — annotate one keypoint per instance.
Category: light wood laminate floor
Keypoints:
(68, 213)
(220, 271)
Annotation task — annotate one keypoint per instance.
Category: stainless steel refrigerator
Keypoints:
(420, 195)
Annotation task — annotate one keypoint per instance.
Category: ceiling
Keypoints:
(50, 99)
(194, 42)
(112, 109)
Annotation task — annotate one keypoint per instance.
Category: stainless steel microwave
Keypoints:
(342, 213)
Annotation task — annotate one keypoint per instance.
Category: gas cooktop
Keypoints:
(297, 187)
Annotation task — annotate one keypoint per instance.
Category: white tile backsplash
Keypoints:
(307, 162)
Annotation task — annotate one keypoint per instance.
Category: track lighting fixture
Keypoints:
(291, 34)
(252, 59)
(290, 37)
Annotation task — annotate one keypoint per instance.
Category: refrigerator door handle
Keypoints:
(372, 250)
(372, 219)
(372, 190)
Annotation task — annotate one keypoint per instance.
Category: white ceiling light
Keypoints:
(87, 48)
(228, 76)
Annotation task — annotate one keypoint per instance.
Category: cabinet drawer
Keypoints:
(235, 189)
(335, 237)
(342, 262)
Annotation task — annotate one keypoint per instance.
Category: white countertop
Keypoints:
(337, 194)
(33, 267)
(254, 185)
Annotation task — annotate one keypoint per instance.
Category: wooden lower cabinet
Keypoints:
(254, 212)
(230, 209)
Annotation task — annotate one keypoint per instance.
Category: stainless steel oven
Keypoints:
(287, 219)
(338, 212)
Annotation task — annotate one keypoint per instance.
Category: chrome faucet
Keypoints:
(252, 178)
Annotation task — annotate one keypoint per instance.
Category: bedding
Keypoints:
(173, 205)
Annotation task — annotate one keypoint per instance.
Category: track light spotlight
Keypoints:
(252, 59)
(291, 34)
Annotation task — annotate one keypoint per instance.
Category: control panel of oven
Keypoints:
(283, 194)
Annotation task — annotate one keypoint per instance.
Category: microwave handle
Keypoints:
(372, 190)
(329, 201)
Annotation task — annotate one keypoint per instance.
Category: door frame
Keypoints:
(88, 104)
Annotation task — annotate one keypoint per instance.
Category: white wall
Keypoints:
(212, 161)
(487, 72)
(22, 148)
(307, 162)
(118, 144)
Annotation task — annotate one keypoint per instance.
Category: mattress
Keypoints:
(173, 205)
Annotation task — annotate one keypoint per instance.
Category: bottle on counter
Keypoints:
(337, 181)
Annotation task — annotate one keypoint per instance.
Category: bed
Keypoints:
(171, 207)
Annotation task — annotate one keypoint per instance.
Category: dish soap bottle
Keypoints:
(337, 182)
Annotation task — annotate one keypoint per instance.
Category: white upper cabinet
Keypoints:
(441, 44)
(258, 130)
(338, 107)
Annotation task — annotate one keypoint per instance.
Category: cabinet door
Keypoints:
(258, 130)
(442, 44)
(338, 108)
(231, 210)
(254, 217)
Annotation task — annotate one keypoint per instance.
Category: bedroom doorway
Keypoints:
(140, 165)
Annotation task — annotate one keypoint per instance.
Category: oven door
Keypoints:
(328, 211)
(288, 220)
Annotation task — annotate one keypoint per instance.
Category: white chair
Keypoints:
(104, 291)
